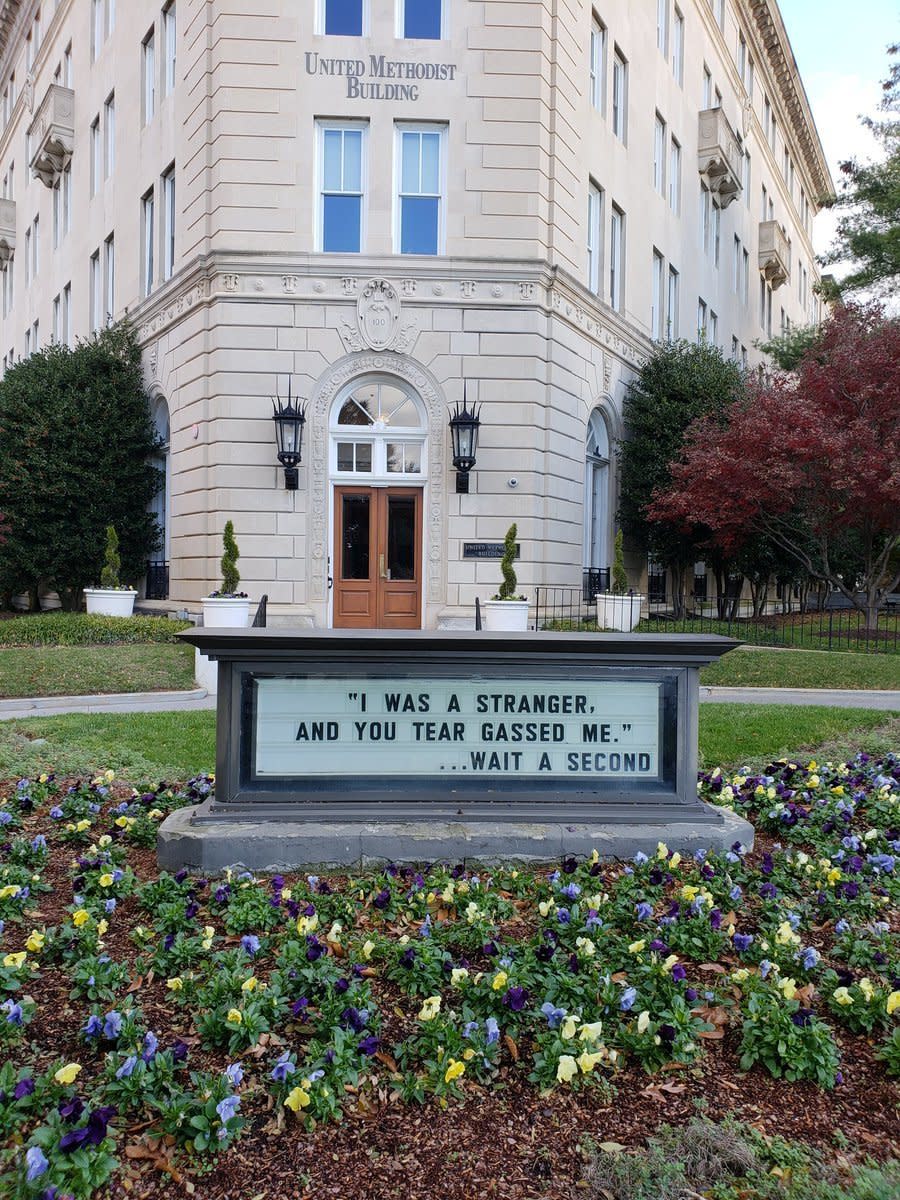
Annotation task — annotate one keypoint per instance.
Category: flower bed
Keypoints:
(156, 1028)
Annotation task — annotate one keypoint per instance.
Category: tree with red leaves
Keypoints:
(810, 459)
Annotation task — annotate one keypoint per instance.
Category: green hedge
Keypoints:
(79, 629)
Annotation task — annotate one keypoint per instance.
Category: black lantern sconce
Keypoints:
(464, 425)
(289, 421)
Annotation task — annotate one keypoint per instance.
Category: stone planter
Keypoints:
(219, 612)
(505, 616)
(110, 602)
(619, 612)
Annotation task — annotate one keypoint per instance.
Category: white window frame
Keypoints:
(98, 26)
(678, 46)
(673, 302)
(67, 200)
(620, 96)
(148, 75)
(94, 292)
(662, 27)
(56, 329)
(657, 296)
(401, 20)
(320, 19)
(109, 135)
(167, 196)
(96, 156)
(67, 66)
(616, 258)
(170, 47)
(595, 238)
(706, 98)
(401, 127)
(675, 176)
(319, 214)
(109, 277)
(67, 314)
(660, 145)
(702, 319)
(148, 237)
(597, 64)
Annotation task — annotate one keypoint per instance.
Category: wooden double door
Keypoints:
(377, 558)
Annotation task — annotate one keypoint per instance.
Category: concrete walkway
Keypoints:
(129, 702)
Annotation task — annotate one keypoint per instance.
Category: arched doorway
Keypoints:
(158, 567)
(596, 505)
(378, 465)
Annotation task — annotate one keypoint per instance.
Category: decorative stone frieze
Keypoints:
(52, 135)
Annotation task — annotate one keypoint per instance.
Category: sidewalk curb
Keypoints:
(110, 702)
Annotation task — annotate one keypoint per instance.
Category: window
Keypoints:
(95, 156)
(56, 330)
(675, 177)
(95, 312)
(97, 21)
(598, 64)
(344, 17)
(8, 285)
(109, 135)
(659, 155)
(620, 96)
(705, 218)
(765, 306)
(616, 257)
(702, 320)
(751, 76)
(734, 349)
(742, 58)
(716, 232)
(169, 40)
(420, 209)
(167, 184)
(110, 16)
(719, 10)
(736, 266)
(746, 176)
(744, 361)
(672, 305)
(148, 56)
(422, 18)
(745, 277)
(707, 88)
(657, 322)
(596, 494)
(678, 47)
(662, 27)
(773, 129)
(341, 211)
(67, 200)
(67, 66)
(764, 210)
(67, 315)
(57, 212)
(147, 239)
(713, 328)
(767, 116)
(109, 278)
(594, 236)
(35, 247)
(378, 429)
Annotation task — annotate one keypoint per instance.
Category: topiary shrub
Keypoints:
(507, 568)
(230, 576)
(109, 576)
(619, 577)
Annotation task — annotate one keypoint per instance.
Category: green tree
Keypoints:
(109, 576)
(507, 566)
(678, 384)
(868, 230)
(76, 441)
(789, 349)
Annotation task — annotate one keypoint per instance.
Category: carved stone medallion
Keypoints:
(378, 313)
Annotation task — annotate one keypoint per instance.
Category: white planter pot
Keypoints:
(618, 612)
(110, 602)
(226, 612)
(505, 616)
(219, 612)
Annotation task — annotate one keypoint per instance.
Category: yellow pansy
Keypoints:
(587, 1062)
(788, 988)
(458, 975)
(249, 985)
(454, 1070)
(833, 876)
(68, 1074)
(842, 996)
(430, 1008)
(11, 889)
(591, 1031)
(307, 924)
(566, 1068)
(209, 933)
(865, 986)
(586, 946)
(175, 984)
(472, 912)
(468, 1054)
(296, 1099)
(545, 907)
(662, 850)
(15, 960)
(104, 840)
(670, 962)
(689, 891)
(35, 941)
(82, 825)
(368, 948)
(234, 1016)
(813, 781)
(447, 893)
(643, 1022)
(838, 791)
(893, 1003)
(122, 822)
(334, 933)
(740, 975)
(102, 926)
(786, 936)
(499, 981)
(637, 947)
(568, 1028)
(674, 860)
(287, 894)
(156, 814)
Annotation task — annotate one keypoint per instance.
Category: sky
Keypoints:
(841, 50)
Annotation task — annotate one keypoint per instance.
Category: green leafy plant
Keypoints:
(509, 585)
(619, 578)
(788, 1040)
(109, 576)
(230, 575)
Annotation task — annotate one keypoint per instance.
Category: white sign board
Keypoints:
(334, 727)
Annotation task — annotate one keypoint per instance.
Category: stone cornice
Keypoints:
(9, 11)
(764, 19)
(452, 283)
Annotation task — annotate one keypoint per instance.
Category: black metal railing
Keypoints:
(564, 608)
(259, 621)
(157, 580)
(594, 580)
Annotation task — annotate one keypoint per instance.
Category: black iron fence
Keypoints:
(824, 627)
(157, 581)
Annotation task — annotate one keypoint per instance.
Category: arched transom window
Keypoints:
(596, 494)
(378, 431)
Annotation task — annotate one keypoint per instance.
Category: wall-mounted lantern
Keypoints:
(464, 425)
(289, 421)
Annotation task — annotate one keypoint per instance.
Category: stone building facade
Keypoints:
(396, 204)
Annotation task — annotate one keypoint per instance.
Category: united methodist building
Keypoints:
(398, 212)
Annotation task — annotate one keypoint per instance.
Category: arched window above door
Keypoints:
(378, 430)
(596, 497)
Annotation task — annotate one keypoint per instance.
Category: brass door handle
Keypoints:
(381, 571)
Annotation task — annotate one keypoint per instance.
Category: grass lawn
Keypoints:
(85, 670)
(149, 747)
(751, 667)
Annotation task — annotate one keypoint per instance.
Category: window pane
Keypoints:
(422, 19)
(409, 181)
(340, 225)
(401, 539)
(402, 416)
(344, 16)
(332, 166)
(355, 538)
(404, 458)
(419, 225)
(352, 160)
(345, 456)
(353, 414)
(364, 457)
(431, 163)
